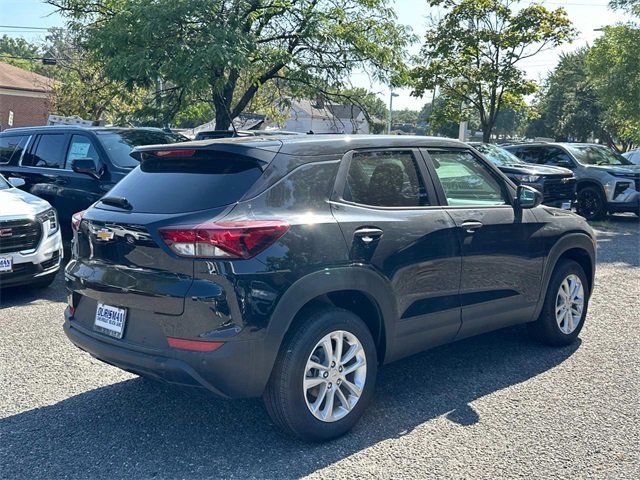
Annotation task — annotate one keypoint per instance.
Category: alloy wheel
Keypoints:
(569, 304)
(334, 376)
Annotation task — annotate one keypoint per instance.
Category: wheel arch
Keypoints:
(579, 247)
(360, 290)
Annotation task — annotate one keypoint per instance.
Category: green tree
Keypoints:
(628, 5)
(374, 108)
(568, 104)
(613, 65)
(81, 86)
(472, 54)
(224, 51)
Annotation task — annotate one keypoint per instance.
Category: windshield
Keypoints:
(597, 155)
(119, 144)
(497, 155)
(4, 185)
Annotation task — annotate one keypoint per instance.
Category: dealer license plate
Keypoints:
(110, 320)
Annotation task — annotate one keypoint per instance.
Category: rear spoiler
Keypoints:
(258, 149)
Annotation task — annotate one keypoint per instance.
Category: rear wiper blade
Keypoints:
(119, 202)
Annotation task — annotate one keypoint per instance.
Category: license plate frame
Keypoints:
(110, 320)
(6, 264)
(566, 206)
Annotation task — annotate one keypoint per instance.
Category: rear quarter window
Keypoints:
(11, 147)
(180, 185)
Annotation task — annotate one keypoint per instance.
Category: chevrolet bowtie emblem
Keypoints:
(105, 234)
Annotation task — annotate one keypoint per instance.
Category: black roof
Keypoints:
(315, 144)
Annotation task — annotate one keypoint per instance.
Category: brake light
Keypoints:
(76, 218)
(244, 239)
(184, 152)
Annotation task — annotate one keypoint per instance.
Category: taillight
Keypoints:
(76, 218)
(243, 239)
(194, 345)
(184, 152)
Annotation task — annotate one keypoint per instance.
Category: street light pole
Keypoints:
(391, 95)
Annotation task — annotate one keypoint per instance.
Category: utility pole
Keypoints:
(391, 95)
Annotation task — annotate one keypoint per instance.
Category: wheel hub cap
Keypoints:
(334, 376)
(569, 304)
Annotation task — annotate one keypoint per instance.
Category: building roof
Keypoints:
(19, 79)
(344, 111)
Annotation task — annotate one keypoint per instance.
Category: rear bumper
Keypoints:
(232, 371)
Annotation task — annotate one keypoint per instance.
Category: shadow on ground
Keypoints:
(142, 429)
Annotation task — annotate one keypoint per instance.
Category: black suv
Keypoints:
(292, 267)
(557, 184)
(71, 167)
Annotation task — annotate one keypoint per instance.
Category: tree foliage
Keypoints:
(613, 65)
(472, 54)
(568, 105)
(223, 52)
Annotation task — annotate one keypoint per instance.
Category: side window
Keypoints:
(557, 157)
(385, 179)
(466, 181)
(49, 152)
(531, 155)
(81, 147)
(11, 147)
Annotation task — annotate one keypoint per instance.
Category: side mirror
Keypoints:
(86, 166)
(528, 197)
(16, 182)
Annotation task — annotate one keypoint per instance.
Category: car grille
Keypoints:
(19, 235)
(559, 189)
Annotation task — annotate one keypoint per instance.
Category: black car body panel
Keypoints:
(419, 275)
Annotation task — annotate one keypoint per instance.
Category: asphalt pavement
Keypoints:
(493, 406)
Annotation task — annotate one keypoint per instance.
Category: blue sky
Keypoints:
(586, 15)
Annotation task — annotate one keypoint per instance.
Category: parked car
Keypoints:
(633, 156)
(291, 267)
(30, 242)
(606, 181)
(557, 184)
(71, 167)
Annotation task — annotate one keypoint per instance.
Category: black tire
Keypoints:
(284, 396)
(591, 203)
(546, 329)
(44, 282)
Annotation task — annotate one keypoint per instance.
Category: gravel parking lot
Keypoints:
(493, 406)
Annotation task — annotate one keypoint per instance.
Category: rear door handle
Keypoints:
(471, 226)
(368, 235)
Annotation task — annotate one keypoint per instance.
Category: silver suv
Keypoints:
(607, 181)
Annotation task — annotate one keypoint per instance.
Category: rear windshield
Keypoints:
(119, 144)
(177, 185)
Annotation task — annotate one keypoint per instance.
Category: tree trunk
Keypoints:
(486, 133)
(223, 120)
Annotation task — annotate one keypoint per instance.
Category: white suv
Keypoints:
(30, 243)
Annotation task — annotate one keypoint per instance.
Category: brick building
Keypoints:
(26, 94)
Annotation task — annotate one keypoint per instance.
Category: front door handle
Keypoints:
(368, 235)
(471, 226)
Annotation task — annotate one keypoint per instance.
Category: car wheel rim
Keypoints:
(569, 304)
(334, 376)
